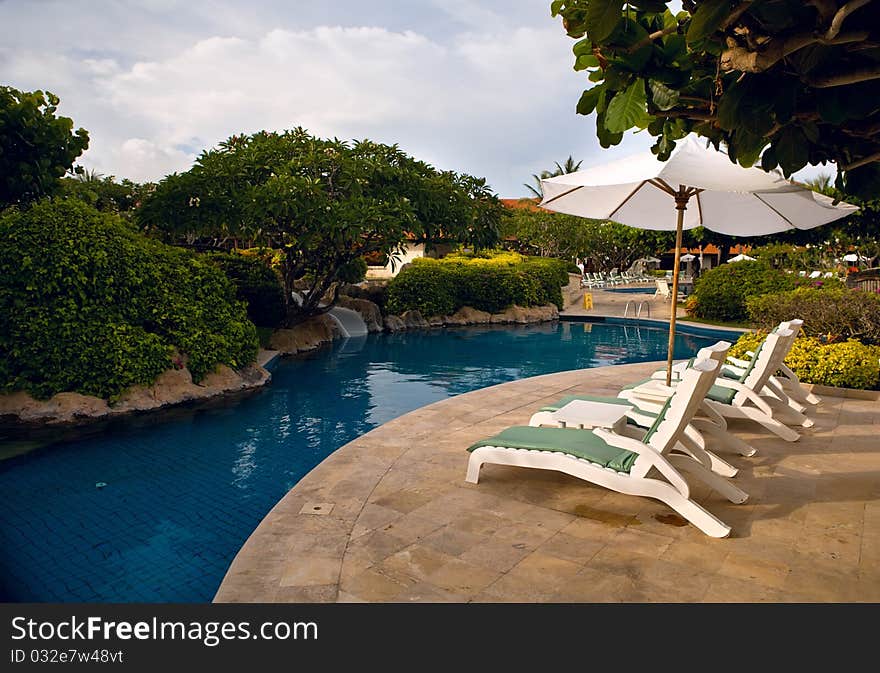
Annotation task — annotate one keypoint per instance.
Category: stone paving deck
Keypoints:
(389, 517)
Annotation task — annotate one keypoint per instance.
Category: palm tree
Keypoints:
(568, 167)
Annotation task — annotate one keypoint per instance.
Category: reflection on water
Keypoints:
(184, 489)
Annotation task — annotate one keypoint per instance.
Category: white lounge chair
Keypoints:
(784, 384)
(645, 413)
(742, 398)
(620, 462)
(664, 291)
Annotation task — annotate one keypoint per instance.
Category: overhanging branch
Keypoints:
(844, 78)
(840, 16)
(871, 158)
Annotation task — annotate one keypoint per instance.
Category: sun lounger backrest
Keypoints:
(766, 361)
(682, 405)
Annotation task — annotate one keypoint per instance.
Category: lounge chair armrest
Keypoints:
(648, 452)
(750, 394)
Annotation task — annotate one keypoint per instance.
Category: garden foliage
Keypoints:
(721, 293)
(845, 364)
(489, 283)
(834, 314)
(91, 306)
(256, 284)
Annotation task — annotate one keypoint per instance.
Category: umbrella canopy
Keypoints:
(706, 189)
(741, 258)
(688, 257)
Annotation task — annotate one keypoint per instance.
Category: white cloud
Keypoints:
(485, 88)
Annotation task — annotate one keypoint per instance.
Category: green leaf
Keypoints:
(864, 181)
(663, 97)
(792, 149)
(707, 19)
(589, 100)
(555, 6)
(768, 159)
(654, 6)
(601, 18)
(627, 109)
(586, 61)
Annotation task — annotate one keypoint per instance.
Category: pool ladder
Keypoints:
(637, 308)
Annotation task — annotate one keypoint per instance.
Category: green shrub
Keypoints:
(835, 314)
(255, 284)
(426, 287)
(92, 306)
(847, 364)
(492, 284)
(353, 272)
(721, 293)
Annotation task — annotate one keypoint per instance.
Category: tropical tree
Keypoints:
(104, 192)
(37, 147)
(568, 167)
(781, 83)
(325, 203)
(609, 244)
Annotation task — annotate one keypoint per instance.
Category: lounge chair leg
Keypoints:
(473, 469)
(714, 481)
(788, 415)
(726, 439)
(774, 426)
(706, 458)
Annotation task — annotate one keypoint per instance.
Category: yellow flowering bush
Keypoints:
(845, 364)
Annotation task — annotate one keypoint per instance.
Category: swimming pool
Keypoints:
(155, 508)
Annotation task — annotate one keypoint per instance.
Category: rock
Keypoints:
(60, 408)
(394, 324)
(435, 321)
(173, 386)
(369, 311)
(414, 320)
(306, 336)
(524, 316)
(468, 316)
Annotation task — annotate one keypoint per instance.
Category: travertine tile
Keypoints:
(405, 527)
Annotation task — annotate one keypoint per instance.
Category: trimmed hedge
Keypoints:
(834, 314)
(847, 364)
(89, 305)
(255, 284)
(492, 284)
(721, 293)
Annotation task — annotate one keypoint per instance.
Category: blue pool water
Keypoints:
(155, 508)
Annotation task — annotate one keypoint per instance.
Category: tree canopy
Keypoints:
(325, 203)
(609, 244)
(779, 82)
(37, 147)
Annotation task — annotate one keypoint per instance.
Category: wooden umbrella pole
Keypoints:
(681, 200)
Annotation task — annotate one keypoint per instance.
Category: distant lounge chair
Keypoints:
(664, 291)
(622, 462)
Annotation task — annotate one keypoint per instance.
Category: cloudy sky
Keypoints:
(479, 86)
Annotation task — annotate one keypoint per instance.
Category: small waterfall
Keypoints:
(350, 322)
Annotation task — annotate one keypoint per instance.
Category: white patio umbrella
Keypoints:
(741, 258)
(638, 191)
(687, 259)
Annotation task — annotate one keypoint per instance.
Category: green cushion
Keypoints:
(580, 443)
(556, 406)
(721, 394)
